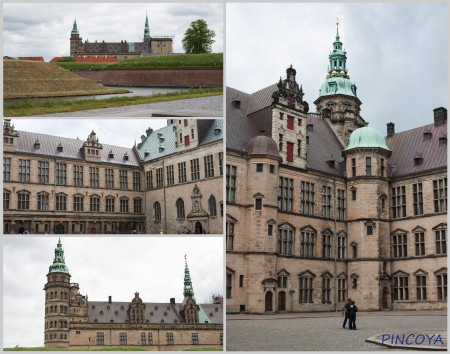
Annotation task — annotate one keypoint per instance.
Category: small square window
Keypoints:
(259, 167)
(369, 230)
(272, 168)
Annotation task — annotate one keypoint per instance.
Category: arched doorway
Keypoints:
(282, 301)
(269, 298)
(93, 230)
(198, 228)
(59, 229)
(385, 299)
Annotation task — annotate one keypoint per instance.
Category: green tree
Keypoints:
(198, 38)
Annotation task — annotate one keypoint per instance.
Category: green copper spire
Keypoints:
(147, 28)
(74, 28)
(188, 290)
(337, 78)
(58, 262)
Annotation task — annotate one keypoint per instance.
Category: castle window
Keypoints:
(307, 243)
(78, 176)
(282, 281)
(110, 204)
(23, 200)
(369, 230)
(420, 243)
(122, 338)
(280, 142)
(285, 244)
(94, 204)
(100, 338)
(421, 287)
(229, 287)
(231, 183)
(180, 208)
(258, 204)
(401, 290)
(382, 168)
(150, 338)
(124, 205)
(209, 166)
(398, 202)
(281, 115)
(342, 246)
(299, 147)
(123, 179)
(326, 244)
(353, 194)
(192, 133)
(418, 199)
(309, 127)
(340, 204)
(259, 167)
(270, 230)
(137, 180)
(181, 172)
(195, 338)
(442, 286)
(354, 250)
(61, 174)
(61, 202)
(221, 163)
(440, 195)
(241, 285)
(399, 245)
(43, 172)
(157, 211)
(368, 166)
(169, 338)
(181, 138)
(230, 236)
(353, 167)
(307, 198)
(306, 288)
(195, 170)
(93, 177)
(342, 288)
(170, 175)
(212, 206)
(285, 194)
(290, 122)
(441, 242)
(24, 170)
(442, 141)
(42, 201)
(418, 161)
(6, 169)
(137, 205)
(326, 202)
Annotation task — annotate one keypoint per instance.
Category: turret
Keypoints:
(75, 40)
(190, 308)
(146, 29)
(338, 101)
(57, 292)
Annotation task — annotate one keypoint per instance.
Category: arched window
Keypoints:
(180, 209)
(212, 206)
(157, 211)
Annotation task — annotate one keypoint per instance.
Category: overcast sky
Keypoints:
(118, 132)
(44, 29)
(397, 54)
(103, 266)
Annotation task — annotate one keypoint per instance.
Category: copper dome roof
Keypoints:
(262, 145)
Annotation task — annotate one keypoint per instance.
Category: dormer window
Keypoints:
(161, 139)
(37, 144)
(310, 127)
(427, 136)
(418, 161)
(126, 157)
(161, 149)
(146, 154)
(442, 140)
(331, 163)
(217, 131)
(111, 154)
(236, 104)
(60, 147)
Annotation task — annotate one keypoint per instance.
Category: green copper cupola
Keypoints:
(188, 290)
(58, 262)
(147, 28)
(75, 28)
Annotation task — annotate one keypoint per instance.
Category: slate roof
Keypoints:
(410, 144)
(154, 312)
(72, 148)
(159, 143)
(214, 133)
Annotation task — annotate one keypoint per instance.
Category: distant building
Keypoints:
(123, 49)
(171, 182)
(73, 321)
(32, 58)
(305, 189)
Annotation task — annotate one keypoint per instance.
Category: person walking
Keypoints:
(345, 309)
(352, 310)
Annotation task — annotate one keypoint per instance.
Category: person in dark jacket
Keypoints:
(352, 310)
(345, 309)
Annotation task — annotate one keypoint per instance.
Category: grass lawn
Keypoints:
(31, 108)
(182, 61)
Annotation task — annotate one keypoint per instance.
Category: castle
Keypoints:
(170, 182)
(321, 207)
(72, 320)
(122, 50)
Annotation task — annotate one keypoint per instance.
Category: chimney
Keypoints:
(390, 129)
(440, 116)
(172, 301)
(109, 299)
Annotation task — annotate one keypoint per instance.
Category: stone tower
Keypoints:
(368, 218)
(190, 308)
(337, 100)
(57, 293)
(75, 40)
(289, 120)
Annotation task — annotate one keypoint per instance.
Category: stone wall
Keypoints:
(157, 78)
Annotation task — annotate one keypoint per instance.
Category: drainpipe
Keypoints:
(335, 250)
(165, 204)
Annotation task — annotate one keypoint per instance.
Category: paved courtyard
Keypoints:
(193, 107)
(323, 331)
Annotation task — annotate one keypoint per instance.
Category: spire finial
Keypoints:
(337, 27)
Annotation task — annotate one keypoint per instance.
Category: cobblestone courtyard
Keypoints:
(323, 331)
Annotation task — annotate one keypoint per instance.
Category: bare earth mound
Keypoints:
(26, 79)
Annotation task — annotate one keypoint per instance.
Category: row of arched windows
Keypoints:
(181, 214)
(55, 336)
(54, 295)
(57, 324)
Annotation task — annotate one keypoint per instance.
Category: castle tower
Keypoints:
(190, 307)
(337, 97)
(57, 292)
(136, 310)
(75, 40)
(146, 29)
(368, 218)
(289, 120)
